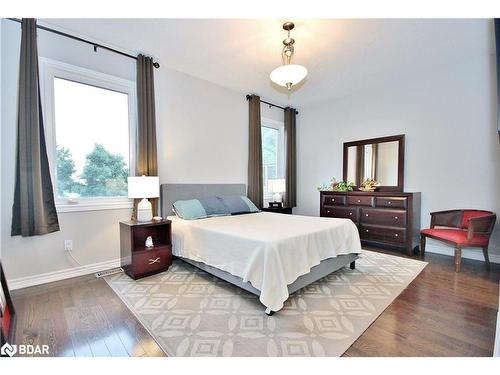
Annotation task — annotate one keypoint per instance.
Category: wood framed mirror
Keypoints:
(381, 159)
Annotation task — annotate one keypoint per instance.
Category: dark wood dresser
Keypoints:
(389, 219)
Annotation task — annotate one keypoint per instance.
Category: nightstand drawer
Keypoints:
(151, 261)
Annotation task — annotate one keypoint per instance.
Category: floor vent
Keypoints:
(111, 271)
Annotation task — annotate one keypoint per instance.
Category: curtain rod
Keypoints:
(95, 45)
(271, 104)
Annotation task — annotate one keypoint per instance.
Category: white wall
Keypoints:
(202, 138)
(452, 146)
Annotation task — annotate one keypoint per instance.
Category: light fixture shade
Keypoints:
(288, 74)
(276, 186)
(144, 187)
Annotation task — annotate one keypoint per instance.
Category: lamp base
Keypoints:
(277, 197)
(144, 210)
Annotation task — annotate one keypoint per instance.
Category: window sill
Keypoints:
(93, 206)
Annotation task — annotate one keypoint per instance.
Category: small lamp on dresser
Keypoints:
(144, 187)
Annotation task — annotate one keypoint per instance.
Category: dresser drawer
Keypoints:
(334, 200)
(359, 200)
(151, 261)
(341, 212)
(395, 218)
(384, 234)
(396, 202)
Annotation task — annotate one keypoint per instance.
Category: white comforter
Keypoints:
(269, 250)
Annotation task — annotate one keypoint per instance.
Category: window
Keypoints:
(90, 125)
(272, 152)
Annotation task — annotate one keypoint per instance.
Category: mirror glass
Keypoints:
(377, 161)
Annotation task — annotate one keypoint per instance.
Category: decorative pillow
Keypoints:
(239, 204)
(200, 208)
(214, 207)
(190, 209)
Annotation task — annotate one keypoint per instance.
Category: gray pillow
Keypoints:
(214, 207)
(238, 204)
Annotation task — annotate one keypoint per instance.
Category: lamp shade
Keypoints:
(290, 73)
(276, 186)
(144, 187)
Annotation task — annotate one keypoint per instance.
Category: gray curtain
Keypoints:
(34, 210)
(255, 191)
(291, 158)
(146, 161)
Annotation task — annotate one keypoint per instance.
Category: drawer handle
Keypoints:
(366, 230)
(333, 200)
(153, 261)
(389, 202)
(395, 217)
(359, 200)
(366, 215)
(350, 213)
(396, 235)
(327, 211)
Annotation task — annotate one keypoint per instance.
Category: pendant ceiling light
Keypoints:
(288, 74)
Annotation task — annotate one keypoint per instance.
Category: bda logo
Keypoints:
(8, 349)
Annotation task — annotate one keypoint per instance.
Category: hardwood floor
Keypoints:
(80, 317)
(441, 313)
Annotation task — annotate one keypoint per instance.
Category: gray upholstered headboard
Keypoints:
(169, 193)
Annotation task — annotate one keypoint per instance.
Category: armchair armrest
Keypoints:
(449, 218)
(481, 224)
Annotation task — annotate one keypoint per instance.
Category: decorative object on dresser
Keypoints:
(369, 185)
(461, 228)
(337, 186)
(7, 312)
(383, 218)
(380, 159)
(279, 210)
(144, 187)
(139, 260)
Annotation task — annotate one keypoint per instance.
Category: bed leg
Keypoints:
(353, 265)
(269, 312)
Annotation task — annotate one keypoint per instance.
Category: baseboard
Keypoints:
(476, 254)
(24, 282)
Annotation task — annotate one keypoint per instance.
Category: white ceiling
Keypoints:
(342, 56)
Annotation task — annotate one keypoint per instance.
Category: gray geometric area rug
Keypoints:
(191, 313)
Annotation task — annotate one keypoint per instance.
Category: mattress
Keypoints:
(269, 250)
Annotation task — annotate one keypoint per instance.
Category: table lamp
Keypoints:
(277, 187)
(144, 187)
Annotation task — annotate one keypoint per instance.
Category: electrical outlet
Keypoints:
(68, 245)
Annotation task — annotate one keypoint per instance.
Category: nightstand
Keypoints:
(282, 210)
(137, 260)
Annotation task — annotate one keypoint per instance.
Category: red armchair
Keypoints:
(461, 228)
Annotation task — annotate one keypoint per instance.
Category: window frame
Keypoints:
(50, 69)
(280, 152)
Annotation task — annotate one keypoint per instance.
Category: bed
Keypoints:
(268, 254)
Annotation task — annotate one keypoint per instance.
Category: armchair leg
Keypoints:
(422, 245)
(486, 258)
(458, 258)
